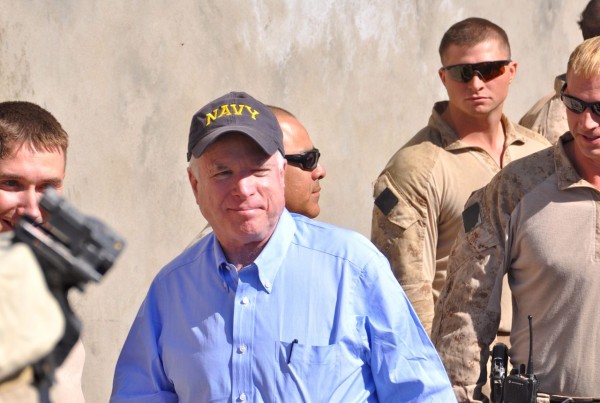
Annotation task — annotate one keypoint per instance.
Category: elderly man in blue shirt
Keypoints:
(271, 306)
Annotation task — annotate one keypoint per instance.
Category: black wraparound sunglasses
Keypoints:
(577, 105)
(308, 160)
(486, 70)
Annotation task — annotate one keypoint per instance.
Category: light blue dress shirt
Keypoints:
(318, 317)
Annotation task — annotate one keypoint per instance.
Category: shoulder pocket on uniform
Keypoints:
(394, 206)
(482, 237)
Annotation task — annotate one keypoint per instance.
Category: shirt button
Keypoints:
(267, 284)
(242, 349)
(242, 397)
(245, 300)
(224, 285)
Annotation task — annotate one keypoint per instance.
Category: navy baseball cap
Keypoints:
(235, 112)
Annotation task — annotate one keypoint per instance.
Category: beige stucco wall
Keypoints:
(125, 77)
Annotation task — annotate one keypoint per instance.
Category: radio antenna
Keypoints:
(530, 361)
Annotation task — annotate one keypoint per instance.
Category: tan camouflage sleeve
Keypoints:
(468, 309)
(399, 231)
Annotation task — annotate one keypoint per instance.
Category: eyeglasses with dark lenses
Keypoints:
(576, 105)
(308, 160)
(486, 70)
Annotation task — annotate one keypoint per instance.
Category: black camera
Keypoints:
(72, 250)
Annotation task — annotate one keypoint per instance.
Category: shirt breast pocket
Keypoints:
(309, 372)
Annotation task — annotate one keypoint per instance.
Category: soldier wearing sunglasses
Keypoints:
(537, 222)
(548, 116)
(420, 194)
(303, 171)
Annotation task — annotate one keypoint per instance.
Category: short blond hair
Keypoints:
(585, 59)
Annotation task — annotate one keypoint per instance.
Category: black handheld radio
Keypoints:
(521, 385)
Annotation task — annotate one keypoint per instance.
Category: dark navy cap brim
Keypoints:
(265, 143)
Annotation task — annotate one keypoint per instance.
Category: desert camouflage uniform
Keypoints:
(31, 321)
(539, 222)
(419, 198)
(548, 116)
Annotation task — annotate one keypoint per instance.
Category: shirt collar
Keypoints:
(450, 140)
(559, 81)
(448, 136)
(566, 174)
(270, 259)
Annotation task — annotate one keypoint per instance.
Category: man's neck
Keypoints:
(243, 255)
(486, 132)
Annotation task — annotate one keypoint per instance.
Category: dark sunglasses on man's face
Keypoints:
(486, 70)
(308, 160)
(576, 105)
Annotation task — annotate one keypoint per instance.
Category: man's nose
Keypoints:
(588, 120)
(319, 172)
(476, 82)
(29, 204)
(245, 186)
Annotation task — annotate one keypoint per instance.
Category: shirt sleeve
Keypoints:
(535, 117)
(402, 231)
(404, 363)
(547, 117)
(467, 313)
(139, 374)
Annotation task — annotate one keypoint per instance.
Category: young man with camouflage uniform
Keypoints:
(421, 193)
(538, 222)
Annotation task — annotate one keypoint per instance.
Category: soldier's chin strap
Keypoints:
(44, 369)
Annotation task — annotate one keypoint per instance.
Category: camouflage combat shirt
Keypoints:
(419, 198)
(548, 116)
(539, 222)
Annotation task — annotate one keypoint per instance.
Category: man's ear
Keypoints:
(442, 75)
(193, 183)
(284, 166)
(512, 69)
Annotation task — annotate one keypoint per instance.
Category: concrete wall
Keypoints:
(125, 77)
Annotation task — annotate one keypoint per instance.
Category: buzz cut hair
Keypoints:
(470, 32)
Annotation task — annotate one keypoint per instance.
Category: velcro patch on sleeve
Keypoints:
(386, 201)
(471, 217)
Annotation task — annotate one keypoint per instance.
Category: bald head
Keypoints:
(302, 188)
